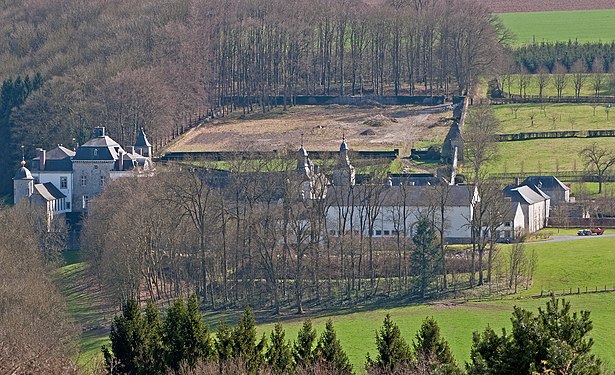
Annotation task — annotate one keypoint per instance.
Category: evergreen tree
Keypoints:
(330, 352)
(224, 342)
(425, 255)
(244, 342)
(554, 341)
(433, 350)
(154, 360)
(129, 343)
(279, 356)
(186, 337)
(393, 350)
(303, 351)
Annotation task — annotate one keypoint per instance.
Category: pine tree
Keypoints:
(393, 350)
(279, 356)
(425, 255)
(186, 337)
(153, 360)
(128, 342)
(244, 342)
(330, 352)
(433, 350)
(303, 351)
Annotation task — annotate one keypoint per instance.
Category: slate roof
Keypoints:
(99, 148)
(545, 182)
(48, 191)
(413, 196)
(57, 159)
(142, 140)
(23, 173)
(523, 194)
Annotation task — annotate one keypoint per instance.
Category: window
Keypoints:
(95, 152)
(86, 201)
(95, 166)
(68, 205)
(332, 232)
(387, 233)
(378, 233)
(102, 180)
(84, 180)
(63, 182)
(507, 224)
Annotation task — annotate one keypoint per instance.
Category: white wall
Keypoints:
(54, 178)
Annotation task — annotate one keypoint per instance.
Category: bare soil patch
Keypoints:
(321, 127)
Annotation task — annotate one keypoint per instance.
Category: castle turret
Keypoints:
(23, 184)
(343, 174)
(304, 166)
(142, 145)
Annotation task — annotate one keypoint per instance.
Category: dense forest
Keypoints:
(132, 64)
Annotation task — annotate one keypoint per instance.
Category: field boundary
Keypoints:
(511, 137)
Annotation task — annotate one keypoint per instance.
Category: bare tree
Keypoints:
(579, 76)
(542, 79)
(560, 78)
(480, 146)
(598, 160)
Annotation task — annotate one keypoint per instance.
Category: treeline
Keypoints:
(554, 340)
(249, 237)
(594, 57)
(283, 48)
(36, 335)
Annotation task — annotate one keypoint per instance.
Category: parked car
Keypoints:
(584, 232)
(597, 231)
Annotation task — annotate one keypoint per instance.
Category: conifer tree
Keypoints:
(245, 345)
(425, 256)
(393, 350)
(186, 337)
(330, 352)
(303, 348)
(279, 356)
(154, 360)
(433, 350)
(224, 342)
(128, 342)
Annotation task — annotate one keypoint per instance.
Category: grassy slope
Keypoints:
(581, 25)
(549, 155)
(558, 267)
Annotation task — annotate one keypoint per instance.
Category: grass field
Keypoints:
(587, 89)
(566, 116)
(558, 268)
(581, 25)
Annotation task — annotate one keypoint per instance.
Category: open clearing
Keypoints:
(563, 265)
(559, 267)
(580, 25)
(322, 128)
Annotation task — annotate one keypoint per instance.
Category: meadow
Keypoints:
(558, 268)
(549, 90)
(580, 25)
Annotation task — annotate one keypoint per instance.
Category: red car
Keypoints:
(597, 231)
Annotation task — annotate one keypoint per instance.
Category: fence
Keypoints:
(239, 155)
(516, 99)
(335, 99)
(574, 291)
(555, 134)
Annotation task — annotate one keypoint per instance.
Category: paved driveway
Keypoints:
(570, 238)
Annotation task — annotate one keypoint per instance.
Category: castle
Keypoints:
(64, 181)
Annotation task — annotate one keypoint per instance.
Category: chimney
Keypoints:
(120, 161)
(99, 131)
(42, 156)
(130, 149)
(517, 181)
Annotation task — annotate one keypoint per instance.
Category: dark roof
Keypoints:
(57, 159)
(545, 182)
(523, 194)
(142, 140)
(417, 196)
(53, 190)
(48, 191)
(23, 173)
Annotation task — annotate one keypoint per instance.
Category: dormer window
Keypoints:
(95, 152)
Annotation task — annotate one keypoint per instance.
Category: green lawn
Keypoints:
(544, 155)
(511, 86)
(559, 267)
(580, 25)
(516, 118)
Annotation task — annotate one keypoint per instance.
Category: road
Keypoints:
(570, 238)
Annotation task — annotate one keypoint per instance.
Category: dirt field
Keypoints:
(509, 6)
(322, 127)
